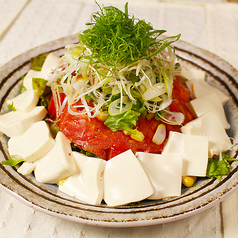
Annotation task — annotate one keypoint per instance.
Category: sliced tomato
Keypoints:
(154, 123)
(175, 128)
(181, 96)
(52, 104)
(51, 108)
(92, 135)
(180, 90)
(144, 126)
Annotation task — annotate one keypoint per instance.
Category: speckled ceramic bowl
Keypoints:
(46, 198)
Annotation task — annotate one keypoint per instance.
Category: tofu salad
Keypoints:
(116, 116)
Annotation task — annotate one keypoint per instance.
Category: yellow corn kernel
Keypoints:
(138, 136)
(62, 181)
(102, 115)
(188, 181)
(127, 133)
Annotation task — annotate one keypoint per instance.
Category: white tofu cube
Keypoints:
(50, 64)
(25, 102)
(165, 173)
(26, 168)
(27, 82)
(210, 103)
(209, 125)
(86, 183)
(33, 144)
(16, 123)
(125, 180)
(192, 73)
(57, 164)
(192, 148)
(200, 88)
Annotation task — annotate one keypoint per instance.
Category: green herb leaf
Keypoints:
(139, 106)
(217, 167)
(54, 129)
(23, 89)
(38, 61)
(44, 102)
(124, 121)
(82, 151)
(39, 84)
(88, 97)
(11, 107)
(13, 160)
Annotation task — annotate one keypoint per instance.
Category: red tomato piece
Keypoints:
(51, 108)
(181, 96)
(92, 135)
(52, 104)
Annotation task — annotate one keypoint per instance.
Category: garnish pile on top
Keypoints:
(121, 66)
(116, 37)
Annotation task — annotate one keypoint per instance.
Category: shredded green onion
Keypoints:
(117, 57)
(118, 37)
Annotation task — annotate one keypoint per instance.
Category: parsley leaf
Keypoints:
(39, 84)
(217, 167)
(123, 121)
(13, 160)
(11, 107)
(23, 88)
(82, 151)
(43, 91)
(38, 61)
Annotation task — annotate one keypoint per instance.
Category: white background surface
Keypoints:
(212, 25)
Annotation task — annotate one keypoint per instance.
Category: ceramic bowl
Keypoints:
(47, 199)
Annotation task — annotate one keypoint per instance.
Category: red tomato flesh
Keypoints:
(181, 96)
(52, 107)
(92, 135)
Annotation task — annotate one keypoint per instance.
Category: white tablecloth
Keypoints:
(212, 25)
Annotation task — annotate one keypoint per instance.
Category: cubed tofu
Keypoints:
(57, 164)
(86, 183)
(192, 148)
(125, 180)
(33, 144)
(25, 102)
(165, 173)
(200, 88)
(27, 82)
(209, 125)
(16, 123)
(210, 103)
(50, 64)
(26, 168)
(192, 73)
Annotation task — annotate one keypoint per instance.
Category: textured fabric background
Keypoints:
(24, 24)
